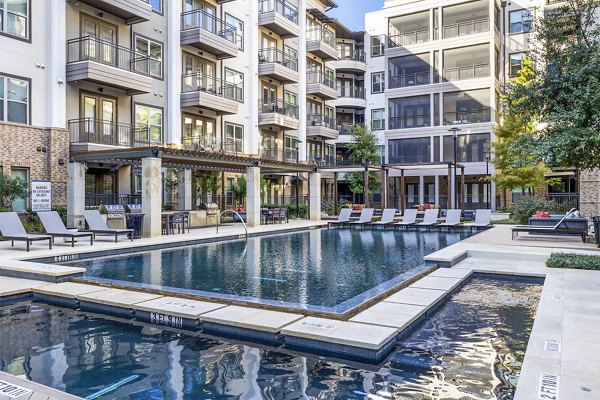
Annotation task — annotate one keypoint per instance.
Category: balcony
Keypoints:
(276, 154)
(319, 84)
(278, 115)
(94, 60)
(467, 28)
(211, 144)
(209, 33)
(408, 122)
(89, 131)
(276, 64)
(321, 126)
(476, 116)
(280, 17)
(351, 97)
(132, 11)
(466, 72)
(351, 63)
(409, 80)
(199, 91)
(322, 43)
(408, 38)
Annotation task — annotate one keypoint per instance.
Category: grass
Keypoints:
(504, 222)
(573, 261)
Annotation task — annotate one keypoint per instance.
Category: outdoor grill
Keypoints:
(135, 219)
(115, 215)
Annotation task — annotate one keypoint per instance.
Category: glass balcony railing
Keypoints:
(280, 7)
(200, 19)
(467, 117)
(354, 92)
(408, 38)
(324, 35)
(274, 55)
(278, 154)
(467, 72)
(466, 28)
(278, 107)
(412, 121)
(354, 56)
(321, 120)
(197, 82)
(407, 80)
(320, 77)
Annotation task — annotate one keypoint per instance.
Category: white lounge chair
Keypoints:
(343, 218)
(452, 219)
(387, 218)
(98, 225)
(55, 227)
(483, 219)
(12, 229)
(366, 215)
(430, 219)
(409, 218)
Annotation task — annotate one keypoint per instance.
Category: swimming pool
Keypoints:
(321, 270)
(472, 348)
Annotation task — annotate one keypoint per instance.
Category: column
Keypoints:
(402, 194)
(57, 54)
(436, 194)
(315, 196)
(336, 201)
(173, 71)
(124, 179)
(75, 194)
(462, 193)
(450, 186)
(421, 189)
(151, 196)
(384, 188)
(184, 177)
(493, 204)
(253, 196)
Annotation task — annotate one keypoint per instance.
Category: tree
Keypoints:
(206, 183)
(11, 189)
(239, 190)
(363, 148)
(564, 92)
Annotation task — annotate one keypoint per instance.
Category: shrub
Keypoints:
(574, 261)
(528, 205)
(303, 208)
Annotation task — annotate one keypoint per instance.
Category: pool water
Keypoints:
(324, 270)
(472, 348)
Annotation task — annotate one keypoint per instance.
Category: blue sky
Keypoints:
(352, 12)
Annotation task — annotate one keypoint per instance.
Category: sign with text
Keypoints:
(41, 196)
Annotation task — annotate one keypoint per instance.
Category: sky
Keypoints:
(352, 12)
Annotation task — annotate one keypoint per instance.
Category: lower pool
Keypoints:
(471, 348)
(322, 270)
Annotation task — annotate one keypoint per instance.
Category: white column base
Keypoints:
(151, 196)
(315, 196)
(253, 200)
(75, 195)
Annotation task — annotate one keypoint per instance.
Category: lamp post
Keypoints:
(455, 131)
(488, 188)
(365, 162)
(298, 142)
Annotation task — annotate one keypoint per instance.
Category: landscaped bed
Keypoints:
(573, 261)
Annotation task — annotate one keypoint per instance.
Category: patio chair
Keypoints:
(366, 216)
(343, 218)
(98, 225)
(387, 218)
(409, 218)
(452, 219)
(430, 219)
(483, 219)
(560, 229)
(12, 229)
(55, 227)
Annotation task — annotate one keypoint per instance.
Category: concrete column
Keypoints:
(493, 204)
(173, 72)
(124, 179)
(336, 200)
(253, 196)
(57, 89)
(384, 188)
(315, 195)
(151, 196)
(421, 189)
(185, 189)
(436, 190)
(75, 194)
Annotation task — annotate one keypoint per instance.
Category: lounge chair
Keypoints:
(387, 218)
(552, 230)
(98, 225)
(483, 219)
(343, 218)
(430, 219)
(452, 219)
(366, 215)
(409, 218)
(12, 229)
(56, 228)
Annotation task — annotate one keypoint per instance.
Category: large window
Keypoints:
(520, 21)
(410, 112)
(14, 100)
(516, 62)
(377, 119)
(235, 137)
(469, 148)
(409, 151)
(154, 50)
(239, 26)
(150, 118)
(234, 78)
(200, 132)
(377, 82)
(14, 17)
(377, 46)
(468, 107)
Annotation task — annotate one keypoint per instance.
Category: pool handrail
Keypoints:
(239, 216)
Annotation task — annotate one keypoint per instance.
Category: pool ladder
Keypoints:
(239, 216)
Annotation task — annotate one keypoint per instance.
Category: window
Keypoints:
(199, 132)
(469, 148)
(410, 112)
(156, 5)
(520, 21)
(409, 151)
(234, 78)
(14, 17)
(516, 61)
(154, 50)
(377, 82)
(377, 46)
(291, 98)
(150, 118)
(20, 204)
(235, 138)
(239, 26)
(468, 107)
(378, 119)
(14, 99)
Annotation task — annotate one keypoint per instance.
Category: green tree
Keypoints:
(363, 148)
(239, 190)
(11, 189)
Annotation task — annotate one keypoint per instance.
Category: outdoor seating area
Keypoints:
(567, 225)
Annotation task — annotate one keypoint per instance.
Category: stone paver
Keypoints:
(251, 318)
(35, 391)
(68, 289)
(458, 273)
(393, 315)
(437, 283)
(40, 269)
(117, 297)
(185, 308)
(416, 296)
(11, 286)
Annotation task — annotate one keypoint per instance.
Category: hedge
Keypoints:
(573, 261)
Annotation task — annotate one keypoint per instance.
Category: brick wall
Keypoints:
(19, 149)
(589, 188)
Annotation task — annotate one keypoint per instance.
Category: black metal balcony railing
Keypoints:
(321, 120)
(467, 72)
(413, 121)
(407, 80)
(320, 77)
(467, 28)
(278, 107)
(200, 19)
(95, 199)
(90, 130)
(274, 55)
(211, 144)
(408, 38)
(354, 56)
(197, 82)
(467, 117)
(355, 92)
(277, 154)
(321, 34)
(280, 7)
(92, 49)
